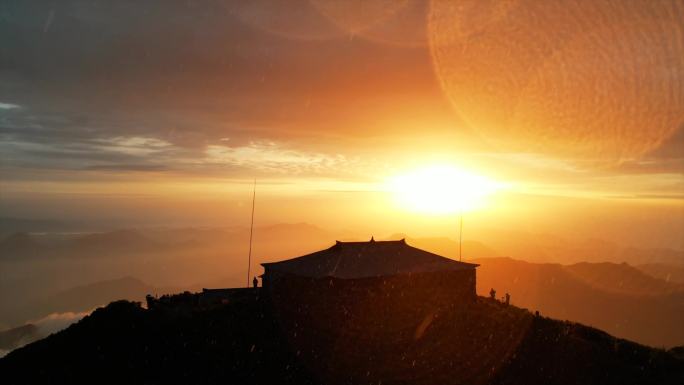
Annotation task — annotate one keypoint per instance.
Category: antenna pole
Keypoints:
(460, 238)
(251, 231)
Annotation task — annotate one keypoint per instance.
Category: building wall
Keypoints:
(437, 288)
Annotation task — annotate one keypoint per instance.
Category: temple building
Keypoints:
(392, 267)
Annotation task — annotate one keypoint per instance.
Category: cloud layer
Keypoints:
(47, 325)
(99, 91)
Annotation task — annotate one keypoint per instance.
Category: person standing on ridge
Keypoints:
(255, 282)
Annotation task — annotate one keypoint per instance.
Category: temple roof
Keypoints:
(367, 259)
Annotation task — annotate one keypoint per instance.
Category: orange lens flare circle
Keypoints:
(601, 81)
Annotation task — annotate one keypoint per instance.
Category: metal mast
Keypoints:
(251, 232)
(460, 239)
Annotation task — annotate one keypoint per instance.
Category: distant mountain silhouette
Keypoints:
(282, 238)
(19, 245)
(614, 297)
(114, 241)
(207, 235)
(639, 256)
(89, 296)
(551, 248)
(342, 341)
(81, 298)
(448, 247)
(285, 240)
(13, 338)
(667, 272)
(621, 278)
(215, 257)
(195, 257)
(10, 225)
(23, 245)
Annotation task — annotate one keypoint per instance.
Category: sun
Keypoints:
(442, 189)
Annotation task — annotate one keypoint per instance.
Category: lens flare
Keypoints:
(564, 79)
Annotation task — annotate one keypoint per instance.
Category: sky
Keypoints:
(164, 112)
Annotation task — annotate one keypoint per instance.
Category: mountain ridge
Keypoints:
(249, 341)
(560, 291)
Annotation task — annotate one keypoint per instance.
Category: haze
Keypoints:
(556, 134)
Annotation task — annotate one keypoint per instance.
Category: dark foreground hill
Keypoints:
(369, 339)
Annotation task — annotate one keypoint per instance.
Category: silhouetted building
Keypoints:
(386, 267)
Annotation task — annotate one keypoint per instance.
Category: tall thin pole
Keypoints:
(460, 239)
(251, 232)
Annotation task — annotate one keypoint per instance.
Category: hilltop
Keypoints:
(345, 340)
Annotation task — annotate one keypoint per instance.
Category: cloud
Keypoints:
(45, 326)
(41, 140)
(9, 106)
(207, 89)
(128, 167)
(134, 145)
(274, 158)
(192, 74)
(57, 321)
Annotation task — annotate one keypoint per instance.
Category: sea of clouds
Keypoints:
(47, 325)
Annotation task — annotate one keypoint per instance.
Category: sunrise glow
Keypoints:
(442, 189)
(342, 191)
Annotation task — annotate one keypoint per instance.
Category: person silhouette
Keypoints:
(508, 299)
(492, 294)
(255, 282)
